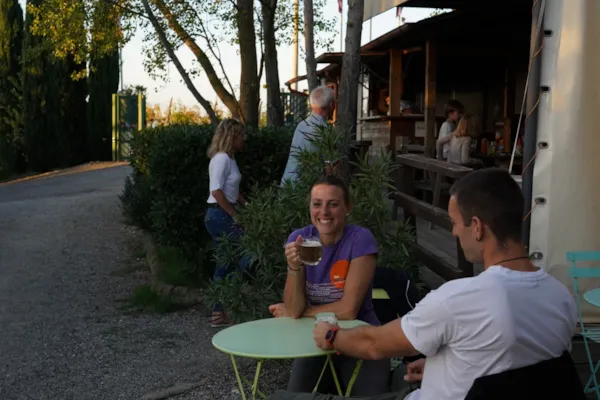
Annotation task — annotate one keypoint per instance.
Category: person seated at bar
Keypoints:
(452, 111)
(460, 141)
(341, 283)
(510, 316)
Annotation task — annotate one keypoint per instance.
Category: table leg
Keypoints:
(321, 375)
(238, 377)
(337, 382)
(353, 378)
(256, 376)
(335, 378)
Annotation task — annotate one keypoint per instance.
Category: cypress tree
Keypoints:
(103, 82)
(11, 42)
(74, 113)
(43, 82)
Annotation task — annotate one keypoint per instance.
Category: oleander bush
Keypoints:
(275, 212)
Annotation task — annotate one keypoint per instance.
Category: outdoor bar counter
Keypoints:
(393, 131)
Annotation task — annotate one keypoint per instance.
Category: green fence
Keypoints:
(129, 114)
(295, 107)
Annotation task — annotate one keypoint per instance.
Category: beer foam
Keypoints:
(311, 243)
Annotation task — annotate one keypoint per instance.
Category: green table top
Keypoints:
(273, 338)
(593, 297)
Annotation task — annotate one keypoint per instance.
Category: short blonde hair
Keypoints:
(227, 131)
(466, 126)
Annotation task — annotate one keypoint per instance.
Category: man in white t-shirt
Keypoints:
(511, 315)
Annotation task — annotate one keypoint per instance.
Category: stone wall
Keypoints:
(379, 133)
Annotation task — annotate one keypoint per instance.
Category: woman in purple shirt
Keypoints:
(340, 283)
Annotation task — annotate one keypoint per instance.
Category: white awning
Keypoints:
(376, 7)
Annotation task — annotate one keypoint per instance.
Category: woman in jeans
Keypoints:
(224, 187)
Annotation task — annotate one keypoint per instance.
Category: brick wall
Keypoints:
(379, 133)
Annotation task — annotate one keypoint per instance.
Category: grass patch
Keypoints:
(179, 270)
(146, 299)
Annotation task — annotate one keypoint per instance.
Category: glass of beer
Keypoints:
(311, 251)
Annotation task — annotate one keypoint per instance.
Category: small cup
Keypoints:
(328, 317)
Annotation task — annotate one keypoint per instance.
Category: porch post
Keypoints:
(396, 85)
(509, 103)
(430, 92)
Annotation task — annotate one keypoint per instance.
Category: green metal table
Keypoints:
(277, 338)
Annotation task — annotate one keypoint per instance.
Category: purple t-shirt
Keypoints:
(325, 281)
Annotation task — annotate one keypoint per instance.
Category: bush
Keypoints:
(166, 194)
(275, 212)
(263, 161)
(178, 177)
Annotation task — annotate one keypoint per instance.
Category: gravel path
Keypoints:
(65, 273)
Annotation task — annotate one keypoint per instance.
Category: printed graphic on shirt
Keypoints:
(338, 273)
(329, 292)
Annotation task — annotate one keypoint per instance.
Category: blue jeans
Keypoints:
(218, 223)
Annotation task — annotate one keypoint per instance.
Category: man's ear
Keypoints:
(477, 226)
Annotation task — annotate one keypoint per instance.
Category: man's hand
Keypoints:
(278, 310)
(414, 371)
(319, 334)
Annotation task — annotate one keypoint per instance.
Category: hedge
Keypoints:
(167, 191)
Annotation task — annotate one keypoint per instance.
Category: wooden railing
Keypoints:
(413, 207)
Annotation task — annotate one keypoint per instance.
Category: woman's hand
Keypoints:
(292, 253)
(278, 310)
(414, 371)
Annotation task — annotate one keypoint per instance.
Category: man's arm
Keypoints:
(371, 342)
(423, 330)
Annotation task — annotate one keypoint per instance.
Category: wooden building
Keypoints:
(476, 55)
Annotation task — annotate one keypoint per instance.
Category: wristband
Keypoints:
(293, 271)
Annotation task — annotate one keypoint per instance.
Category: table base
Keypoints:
(329, 361)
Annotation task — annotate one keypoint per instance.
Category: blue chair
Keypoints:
(593, 334)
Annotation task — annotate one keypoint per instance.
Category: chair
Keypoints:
(593, 334)
(551, 379)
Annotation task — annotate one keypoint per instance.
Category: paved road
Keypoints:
(63, 331)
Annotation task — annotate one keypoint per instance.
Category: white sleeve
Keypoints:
(429, 325)
(218, 170)
(445, 129)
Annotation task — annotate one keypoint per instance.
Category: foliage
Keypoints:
(167, 191)
(180, 270)
(178, 177)
(136, 201)
(274, 213)
(11, 41)
(85, 29)
(146, 299)
(263, 161)
(179, 114)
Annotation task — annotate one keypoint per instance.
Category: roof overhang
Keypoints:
(336, 58)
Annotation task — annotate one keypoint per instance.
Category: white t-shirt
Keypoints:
(497, 321)
(224, 174)
(446, 129)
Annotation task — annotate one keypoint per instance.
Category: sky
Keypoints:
(161, 93)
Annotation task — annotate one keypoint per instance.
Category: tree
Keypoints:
(199, 25)
(274, 105)
(348, 91)
(309, 45)
(11, 42)
(74, 112)
(103, 81)
(42, 118)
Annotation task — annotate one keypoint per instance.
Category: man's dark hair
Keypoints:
(493, 196)
(332, 180)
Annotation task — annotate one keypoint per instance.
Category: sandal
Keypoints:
(219, 320)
